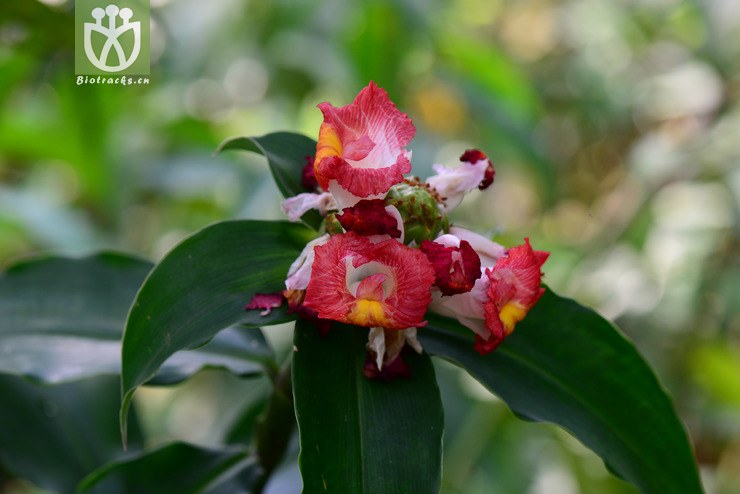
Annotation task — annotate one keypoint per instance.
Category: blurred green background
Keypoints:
(614, 127)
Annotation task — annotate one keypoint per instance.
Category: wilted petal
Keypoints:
(488, 250)
(456, 267)
(384, 346)
(370, 217)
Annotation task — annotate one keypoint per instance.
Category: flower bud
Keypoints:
(422, 216)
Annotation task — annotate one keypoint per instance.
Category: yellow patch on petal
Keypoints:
(510, 314)
(368, 313)
(329, 143)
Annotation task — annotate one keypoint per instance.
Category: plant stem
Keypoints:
(275, 427)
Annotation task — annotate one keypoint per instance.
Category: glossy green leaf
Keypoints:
(56, 435)
(243, 351)
(359, 435)
(62, 319)
(567, 365)
(201, 288)
(286, 154)
(178, 468)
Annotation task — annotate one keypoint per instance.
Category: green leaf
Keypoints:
(201, 288)
(56, 435)
(243, 351)
(177, 467)
(567, 365)
(62, 319)
(359, 435)
(286, 155)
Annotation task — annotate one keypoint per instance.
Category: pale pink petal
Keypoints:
(300, 271)
(393, 211)
(387, 344)
(296, 206)
(453, 183)
(376, 343)
(412, 340)
(468, 308)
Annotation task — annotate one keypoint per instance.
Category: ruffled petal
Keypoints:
(363, 182)
(341, 266)
(361, 145)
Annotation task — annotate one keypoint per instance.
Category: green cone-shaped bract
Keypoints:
(419, 208)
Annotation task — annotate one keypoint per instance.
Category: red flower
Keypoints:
(515, 288)
(361, 146)
(358, 282)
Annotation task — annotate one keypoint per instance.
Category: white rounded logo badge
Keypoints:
(106, 23)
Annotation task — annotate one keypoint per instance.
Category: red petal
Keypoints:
(371, 288)
(487, 346)
(266, 301)
(358, 149)
(369, 217)
(363, 182)
(453, 276)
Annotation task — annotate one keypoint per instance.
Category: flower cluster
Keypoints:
(388, 252)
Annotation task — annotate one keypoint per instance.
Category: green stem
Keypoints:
(275, 427)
